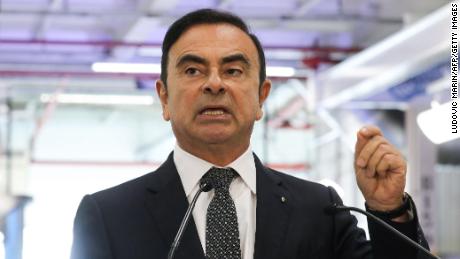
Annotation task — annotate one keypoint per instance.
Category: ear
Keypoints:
(163, 94)
(263, 94)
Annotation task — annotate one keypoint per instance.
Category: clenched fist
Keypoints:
(380, 170)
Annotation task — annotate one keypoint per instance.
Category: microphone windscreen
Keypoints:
(205, 185)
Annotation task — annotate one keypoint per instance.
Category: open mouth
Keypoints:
(214, 111)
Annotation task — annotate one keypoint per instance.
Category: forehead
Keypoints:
(214, 41)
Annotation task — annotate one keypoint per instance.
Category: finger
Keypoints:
(363, 136)
(370, 131)
(365, 172)
(360, 143)
(391, 162)
(375, 158)
(368, 150)
(385, 164)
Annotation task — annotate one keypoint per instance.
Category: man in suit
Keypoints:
(212, 89)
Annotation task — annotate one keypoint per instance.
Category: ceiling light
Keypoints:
(436, 123)
(149, 51)
(280, 71)
(98, 99)
(135, 68)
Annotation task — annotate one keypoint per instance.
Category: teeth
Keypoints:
(213, 112)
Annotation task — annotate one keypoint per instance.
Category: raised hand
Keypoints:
(380, 170)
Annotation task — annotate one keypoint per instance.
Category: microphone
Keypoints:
(335, 208)
(205, 186)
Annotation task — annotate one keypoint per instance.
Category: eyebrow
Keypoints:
(192, 59)
(197, 59)
(236, 57)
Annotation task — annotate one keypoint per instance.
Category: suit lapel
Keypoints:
(272, 213)
(167, 203)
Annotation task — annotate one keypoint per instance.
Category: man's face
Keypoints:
(212, 94)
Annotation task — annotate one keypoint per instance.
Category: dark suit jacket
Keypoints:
(139, 219)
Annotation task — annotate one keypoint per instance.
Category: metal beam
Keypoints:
(139, 30)
(41, 26)
(305, 7)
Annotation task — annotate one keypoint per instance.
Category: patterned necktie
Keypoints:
(222, 235)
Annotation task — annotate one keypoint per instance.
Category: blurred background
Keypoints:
(78, 110)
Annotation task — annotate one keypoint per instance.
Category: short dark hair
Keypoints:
(206, 16)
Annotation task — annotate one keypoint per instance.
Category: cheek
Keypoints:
(181, 104)
(249, 102)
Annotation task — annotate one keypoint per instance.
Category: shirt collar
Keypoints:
(192, 168)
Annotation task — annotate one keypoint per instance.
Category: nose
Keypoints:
(214, 85)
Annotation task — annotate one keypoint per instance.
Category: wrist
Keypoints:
(398, 213)
(404, 218)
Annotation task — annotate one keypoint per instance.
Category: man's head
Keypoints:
(214, 92)
(206, 16)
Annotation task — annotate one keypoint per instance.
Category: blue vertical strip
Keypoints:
(13, 229)
(14, 224)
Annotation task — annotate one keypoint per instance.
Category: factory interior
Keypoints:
(79, 111)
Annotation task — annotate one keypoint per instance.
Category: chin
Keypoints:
(221, 135)
(215, 138)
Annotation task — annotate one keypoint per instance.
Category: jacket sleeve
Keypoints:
(386, 245)
(89, 233)
(350, 241)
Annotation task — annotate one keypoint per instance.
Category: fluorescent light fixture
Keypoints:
(284, 54)
(135, 68)
(280, 71)
(98, 99)
(436, 123)
(150, 51)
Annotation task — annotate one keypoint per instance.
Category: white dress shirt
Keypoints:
(242, 191)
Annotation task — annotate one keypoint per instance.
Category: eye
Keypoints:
(234, 72)
(192, 71)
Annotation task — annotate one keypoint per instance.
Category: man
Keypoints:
(212, 88)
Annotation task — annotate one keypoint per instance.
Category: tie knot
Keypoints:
(221, 178)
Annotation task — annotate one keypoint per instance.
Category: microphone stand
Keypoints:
(205, 186)
(336, 208)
